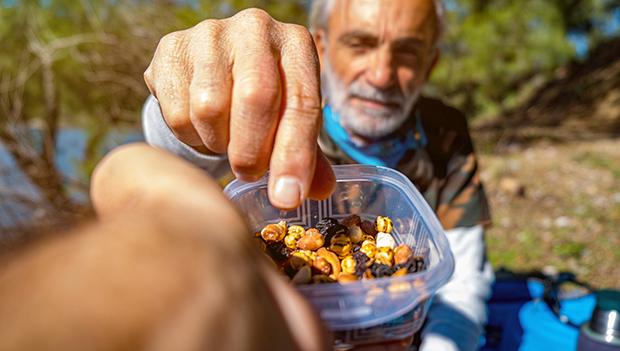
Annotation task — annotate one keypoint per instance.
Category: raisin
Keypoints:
(381, 270)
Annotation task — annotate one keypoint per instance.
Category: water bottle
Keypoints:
(602, 332)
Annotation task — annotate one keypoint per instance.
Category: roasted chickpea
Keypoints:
(383, 224)
(385, 256)
(385, 240)
(340, 244)
(356, 234)
(274, 232)
(301, 258)
(346, 278)
(369, 248)
(311, 241)
(348, 265)
(321, 266)
(402, 254)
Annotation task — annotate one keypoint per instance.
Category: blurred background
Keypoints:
(538, 80)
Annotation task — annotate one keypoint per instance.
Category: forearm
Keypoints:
(457, 316)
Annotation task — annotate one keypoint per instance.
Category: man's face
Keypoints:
(376, 56)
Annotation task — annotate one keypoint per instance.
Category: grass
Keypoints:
(569, 217)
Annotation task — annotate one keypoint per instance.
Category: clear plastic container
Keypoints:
(388, 308)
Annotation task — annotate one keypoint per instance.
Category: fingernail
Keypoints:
(287, 192)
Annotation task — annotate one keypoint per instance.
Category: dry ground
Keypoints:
(557, 205)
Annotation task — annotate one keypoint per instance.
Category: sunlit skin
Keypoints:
(389, 44)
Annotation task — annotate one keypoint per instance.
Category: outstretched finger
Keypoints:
(294, 157)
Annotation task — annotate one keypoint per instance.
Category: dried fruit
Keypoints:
(278, 251)
(368, 227)
(343, 252)
(380, 270)
(352, 220)
(414, 264)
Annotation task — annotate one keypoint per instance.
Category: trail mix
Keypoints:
(333, 251)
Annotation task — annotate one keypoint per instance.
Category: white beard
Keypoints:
(366, 122)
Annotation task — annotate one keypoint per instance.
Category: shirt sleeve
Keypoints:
(158, 134)
(458, 313)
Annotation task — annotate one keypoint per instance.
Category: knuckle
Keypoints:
(209, 29)
(206, 106)
(259, 92)
(254, 15)
(247, 162)
(178, 121)
(299, 33)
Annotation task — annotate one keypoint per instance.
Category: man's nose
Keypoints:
(381, 72)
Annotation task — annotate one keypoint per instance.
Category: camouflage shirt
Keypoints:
(445, 170)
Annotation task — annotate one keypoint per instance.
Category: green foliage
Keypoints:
(488, 52)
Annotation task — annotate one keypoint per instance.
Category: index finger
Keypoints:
(294, 156)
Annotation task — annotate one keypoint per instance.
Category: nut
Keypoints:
(385, 240)
(346, 278)
(385, 256)
(301, 258)
(332, 259)
(367, 237)
(274, 232)
(311, 241)
(321, 278)
(348, 265)
(383, 224)
(302, 276)
(322, 266)
(355, 233)
(295, 233)
(402, 253)
(340, 244)
(400, 272)
(369, 248)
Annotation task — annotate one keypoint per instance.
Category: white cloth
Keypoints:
(157, 133)
(458, 313)
(457, 316)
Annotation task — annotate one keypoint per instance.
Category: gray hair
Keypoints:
(321, 9)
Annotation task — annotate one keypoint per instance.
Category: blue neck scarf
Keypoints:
(385, 153)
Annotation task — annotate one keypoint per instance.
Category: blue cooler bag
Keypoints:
(530, 314)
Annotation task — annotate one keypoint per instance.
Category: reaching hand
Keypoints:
(247, 86)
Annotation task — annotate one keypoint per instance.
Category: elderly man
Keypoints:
(243, 94)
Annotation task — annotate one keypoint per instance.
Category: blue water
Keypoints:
(70, 156)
